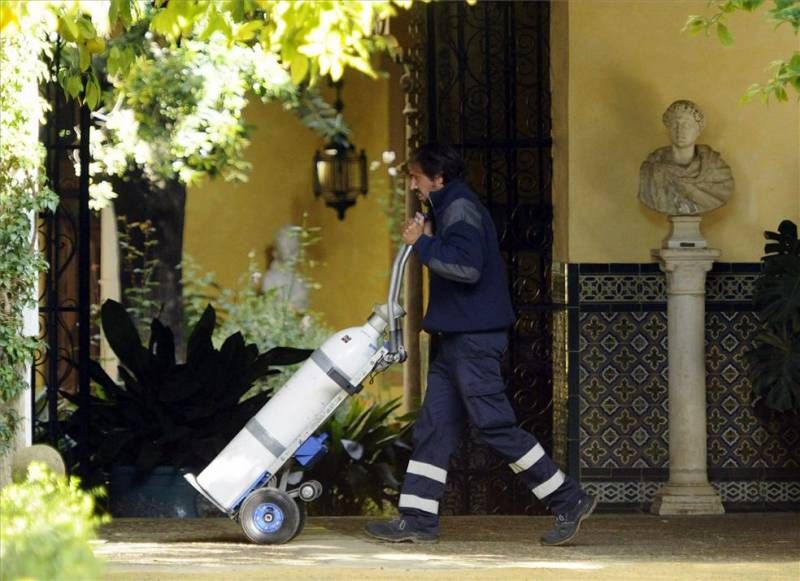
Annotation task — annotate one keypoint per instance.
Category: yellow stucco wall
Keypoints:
(225, 221)
(616, 66)
(627, 61)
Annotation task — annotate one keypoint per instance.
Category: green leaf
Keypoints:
(113, 11)
(216, 23)
(794, 64)
(113, 61)
(92, 93)
(299, 68)
(751, 5)
(86, 28)
(122, 335)
(85, 58)
(724, 34)
(694, 24)
(236, 8)
(73, 86)
(248, 30)
(200, 338)
(68, 29)
(162, 345)
(120, 10)
(165, 23)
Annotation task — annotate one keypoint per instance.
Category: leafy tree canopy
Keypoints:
(310, 38)
(168, 79)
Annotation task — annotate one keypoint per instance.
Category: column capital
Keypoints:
(686, 268)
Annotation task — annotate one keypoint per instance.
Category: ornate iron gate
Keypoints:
(66, 289)
(483, 87)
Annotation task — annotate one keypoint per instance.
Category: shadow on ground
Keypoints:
(743, 546)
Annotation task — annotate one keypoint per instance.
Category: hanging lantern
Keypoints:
(340, 176)
(339, 173)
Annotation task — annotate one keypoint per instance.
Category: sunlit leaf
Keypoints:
(68, 29)
(724, 34)
(9, 17)
(695, 24)
(74, 86)
(86, 28)
(299, 69)
(85, 57)
(249, 30)
(92, 93)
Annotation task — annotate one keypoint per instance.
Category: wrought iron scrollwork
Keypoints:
(65, 293)
(486, 91)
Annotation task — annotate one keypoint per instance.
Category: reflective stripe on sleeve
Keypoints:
(414, 501)
(530, 458)
(550, 485)
(427, 470)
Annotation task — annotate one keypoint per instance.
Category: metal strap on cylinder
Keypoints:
(324, 363)
(266, 439)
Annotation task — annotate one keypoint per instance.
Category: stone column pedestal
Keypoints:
(688, 490)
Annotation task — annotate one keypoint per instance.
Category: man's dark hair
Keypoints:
(438, 159)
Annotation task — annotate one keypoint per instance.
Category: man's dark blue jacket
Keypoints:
(468, 286)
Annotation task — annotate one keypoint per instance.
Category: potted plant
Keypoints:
(168, 417)
(774, 361)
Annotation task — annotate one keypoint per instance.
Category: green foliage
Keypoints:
(775, 359)
(48, 523)
(170, 413)
(178, 115)
(22, 195)
(137, 244)
(10, 421)
(786, 72)
(310, 39)
(367, 455)
(193, 128)
(267, 319)
(179, 73)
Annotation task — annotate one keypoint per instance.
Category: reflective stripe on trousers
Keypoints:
(465, 384)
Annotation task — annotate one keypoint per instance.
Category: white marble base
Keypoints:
(685, 233)
(690, 499)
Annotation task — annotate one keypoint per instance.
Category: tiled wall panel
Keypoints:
(617, 362)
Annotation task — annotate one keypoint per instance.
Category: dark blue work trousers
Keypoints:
(465, 384)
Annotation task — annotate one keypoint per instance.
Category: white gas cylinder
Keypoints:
(292, 411)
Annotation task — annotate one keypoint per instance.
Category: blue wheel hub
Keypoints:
(268, 518)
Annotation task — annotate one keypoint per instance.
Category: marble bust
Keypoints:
(684, 179)
(281, 274)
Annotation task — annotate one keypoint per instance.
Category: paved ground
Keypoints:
(610, 547)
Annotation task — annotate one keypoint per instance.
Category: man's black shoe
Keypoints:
(400, 530)
(568, 523)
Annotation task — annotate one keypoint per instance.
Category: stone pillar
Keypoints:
(688, 490)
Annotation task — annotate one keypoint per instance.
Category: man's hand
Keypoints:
(412, 231)
(428, 226)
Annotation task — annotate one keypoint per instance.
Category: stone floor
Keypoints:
(763, 546)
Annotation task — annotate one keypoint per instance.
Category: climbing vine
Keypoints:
(23, 194)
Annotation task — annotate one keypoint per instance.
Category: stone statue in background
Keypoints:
(684, 179)
(281, 274)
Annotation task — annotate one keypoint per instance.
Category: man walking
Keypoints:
(470, 311)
